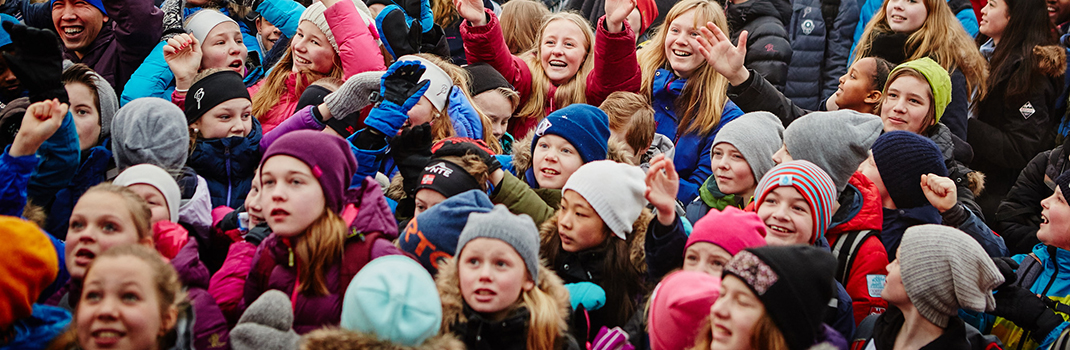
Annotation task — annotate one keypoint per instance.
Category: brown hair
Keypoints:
(275, 83)
(520, 21)
(139, 209)
(473, 165)
(81, 73)
(631, 113)
(930, 116)
(572, 91)
(317, 249)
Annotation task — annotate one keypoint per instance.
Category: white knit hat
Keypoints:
(202, 22)
(614, 190)
(314, 14)
(154, 176)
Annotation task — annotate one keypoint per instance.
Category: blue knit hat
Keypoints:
(393, 299)
(99, 4)
(5, 38)
(433, 234)
(584, 126)
(902, 157)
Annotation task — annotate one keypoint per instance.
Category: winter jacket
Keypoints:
(962, 9)
(891, 322)
(956, 154)
(340, 339)
(123, 42)
(1018, 216)
(757, 94)
(664, 247)
(480, 333)
(818, 49)
(768, 49)
(31, 13)
(228, 165)
(195, 213)
(692, 157)
(616, 67)
(58, 159)
(896, 221)
(95, 163)
(271, 267)
(860, 210)
(210, 328)
(1010, 133)
(37, 331)
(14, 179)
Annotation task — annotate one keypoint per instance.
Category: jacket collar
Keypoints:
(860, 207)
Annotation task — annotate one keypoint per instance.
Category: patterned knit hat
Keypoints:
(902, 157)
(811, 182)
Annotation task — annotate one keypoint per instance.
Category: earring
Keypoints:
(196, 131)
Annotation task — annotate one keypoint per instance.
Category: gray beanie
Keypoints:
(757, 135)
(266, 325)
(518, 231)
(618, 201)
(836, 141)
(150, 130)
(109, 102)
(944, 269)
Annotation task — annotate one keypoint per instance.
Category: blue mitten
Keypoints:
(400, 90)
(464, 117)
(586, 294)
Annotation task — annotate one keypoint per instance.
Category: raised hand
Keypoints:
(471, 10)
(41, 120)
(940, 191)
(400, 89)
(183, 55)
(725, 58)
(37, 61)
(617, 12)
(662, 185)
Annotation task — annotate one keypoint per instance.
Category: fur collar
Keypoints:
(341, 339)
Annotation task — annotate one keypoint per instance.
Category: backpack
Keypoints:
(846, 250)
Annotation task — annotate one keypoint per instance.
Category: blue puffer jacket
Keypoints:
(37, 331)
(961, 8)
(692, 158)
(59, 156)
(818, 50)
(91, 172)
(228, 165)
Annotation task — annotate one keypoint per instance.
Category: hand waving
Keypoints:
(183, 55)
(662, 185)
(617, 12)
(725, 58)
(471, 10)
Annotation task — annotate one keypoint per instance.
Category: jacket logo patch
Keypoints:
(807, 26)
(541, 129)
(1027, 110)
(199, 95)
(769, 48)
(428, 179)
(875, 285)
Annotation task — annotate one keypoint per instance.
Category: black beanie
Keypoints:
(1063, 183)
(795, 283)
(485, 78)
(212, 90)
(902, 157)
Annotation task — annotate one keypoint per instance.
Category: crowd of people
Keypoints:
(534, 174)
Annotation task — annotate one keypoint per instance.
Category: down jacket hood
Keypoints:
(636, 240)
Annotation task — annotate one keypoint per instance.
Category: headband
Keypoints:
(212, 90)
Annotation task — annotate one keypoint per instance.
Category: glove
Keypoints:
(400, 34)
(419, 11)
(611, 339)
(1026, 310)
(462, 146)
(586, 294)
(1007, 267)
(37, 62)
(400, 89)
(258, 233)
(465, 119)
(353, 95)
(411, 151)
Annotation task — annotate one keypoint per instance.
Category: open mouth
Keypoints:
(1043, 219)
(549, 172)
(558, 63)
(780, 229)
(897, 18)
(301, 60)
(73, 31)
(279, 214)
(679, 53)
(106, 336)
(84, 256)
(236, 64)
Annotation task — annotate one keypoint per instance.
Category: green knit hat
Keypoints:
(939, 81)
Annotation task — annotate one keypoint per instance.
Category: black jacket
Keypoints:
(889, 324)
(1018, 216)
(768, 50)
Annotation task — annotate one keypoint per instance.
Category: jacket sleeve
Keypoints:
(865, 13)
(768, 51)
(152, 78)
(228, 284)
(37, 14)
(1016, 143)
(872, 259)
(139, 25)
(616, 66)
(958, 111)
(59, 160)
(521, 199)
(838, 47)
(302, 120)
(368, 160)
(965, 220)
(757, 94)
(487, 44)
(1018, 216)
(664, 247)
(356, 44)
(14, 178)
(284, 14)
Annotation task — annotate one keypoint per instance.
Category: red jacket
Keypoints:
(616, 67)
(872, 259)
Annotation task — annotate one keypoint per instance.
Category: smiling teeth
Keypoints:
(779, 229)
(550, 172)
(301, 61)
(72, 30)
(681, 53)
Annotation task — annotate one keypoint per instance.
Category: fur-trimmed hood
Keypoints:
(1051, 59)
(342, 339)
(636, 239)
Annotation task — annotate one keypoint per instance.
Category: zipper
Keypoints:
(230, 184)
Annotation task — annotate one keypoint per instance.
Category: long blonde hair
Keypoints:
(520, 21)
(699, 107)
(318, 248)
(443, 128)
(940, 37)
(275, 86)
(572, 91)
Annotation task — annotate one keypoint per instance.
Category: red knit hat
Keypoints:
(28, 264)
(678, 306)
(731, 229)
(648, 11)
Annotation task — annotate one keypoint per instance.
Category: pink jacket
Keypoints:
(616, 67)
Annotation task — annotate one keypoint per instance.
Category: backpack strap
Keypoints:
(1028, 271)
(846, 250)
(864, 332)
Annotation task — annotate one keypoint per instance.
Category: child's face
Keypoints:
(233, 118)
(422, 112)
(578, 225)
(425, 199)
(1055, 225)
(291, 196)
(553, 161)
(906, 105)
(223, 48)
(492, 276)
(869, 169)
(268, 32)
(498, 108)
(86, 116)
(157, 202)
(734, 315)
(857, 87)
(95, 227)
(311, 49)
(732, 171)
(905, 16)
(706, 257)
(562, 49)
(787, 215)
(894, 291)
(682, 56)
(782, 155)
(252, 202)
(120, 306)
(994, 18)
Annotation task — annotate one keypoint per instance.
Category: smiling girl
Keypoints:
(215, 41)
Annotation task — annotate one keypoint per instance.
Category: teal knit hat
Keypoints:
(939, 81)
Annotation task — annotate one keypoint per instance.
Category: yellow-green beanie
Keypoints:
(939, 81)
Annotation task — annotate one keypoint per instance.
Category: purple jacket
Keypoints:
(209, 327)
(271, 268)
(134, 28)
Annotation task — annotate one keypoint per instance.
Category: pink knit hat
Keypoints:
(678, 307)
(731, 229)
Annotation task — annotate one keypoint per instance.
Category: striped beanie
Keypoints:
(812, 183)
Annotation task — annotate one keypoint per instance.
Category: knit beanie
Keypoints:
(485, 78)
(200, 23)
(213, 90)
(812, 183)
(446, 178)
(5, 38)
(394, 299)
(28, 264)
(795, 283)
(1063, 182)
(266, 324)
(154, 176)
(757, 135)
(836, 141)
(937, 77)
(441, 83)
(106, 98)
(902, 157)
(944, 269)
(432, 235)
(328, 156)
(518, 231)
(99, 4)
(584, 126)
(314, 13)
(616, 191)
(731, 229)
(150, 130)
(678, 306)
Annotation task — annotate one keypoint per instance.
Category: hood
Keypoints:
(1051, 59)
(522, 156)
(1062, 257)
(637, 239)
(197, 210)
(375, 214)
(191, 271)
(342, 339)
(862, 211)
(209, 157)
(741, 14)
